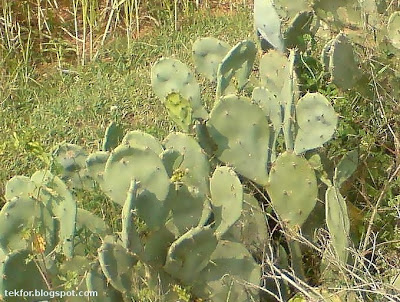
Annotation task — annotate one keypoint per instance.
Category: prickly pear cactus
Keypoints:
(241, 131)
(71, 161)
(208, 54)
(179, 110)
(237, 64)
(112, 136)
(316, 122)
(268, 25)
(342, 63)
(226, 199)
(337, 220)
(171, 75)
(20, 272)
(293, 188)
(126, 163)
(393, 29)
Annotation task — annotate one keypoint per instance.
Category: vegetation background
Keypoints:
(70, 67)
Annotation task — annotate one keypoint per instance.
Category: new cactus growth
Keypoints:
(179, 110)
(171, 75)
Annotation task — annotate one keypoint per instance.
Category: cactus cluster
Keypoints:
(187, 217)
(188, 212)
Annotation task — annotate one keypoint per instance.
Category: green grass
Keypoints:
(76, 104)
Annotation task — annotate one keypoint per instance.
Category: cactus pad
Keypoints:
(288, 9)
(95, 165)
(208, 54)
(345, 168)
(171, 75)
(337, 220)
(273, 69)
(293, 188)
(393, 28)
(127, 163)
(96, 281)
(268, 24)
(112, 136)
(22, 218)
(342, 64)
(238, 64)
(241, 132)
(190, 254)
(19, 186)
(226, 199)
(179, 110)
(19, 273)
(316, 120)
(71, 158)
(140, 139)
(232, 275)
(59, 200)
(117, 265)
(194, 168)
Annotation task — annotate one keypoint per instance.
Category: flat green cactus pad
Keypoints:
(337, 220)
(232, 275)
(241, 131)
(226, 199)
(19, 273)
(171, 75)
(190, 254)
(393, 28)
(140, 139)
(293, 188)
(208, 54)
(316, 121)
(268, 24)
(238, 64)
